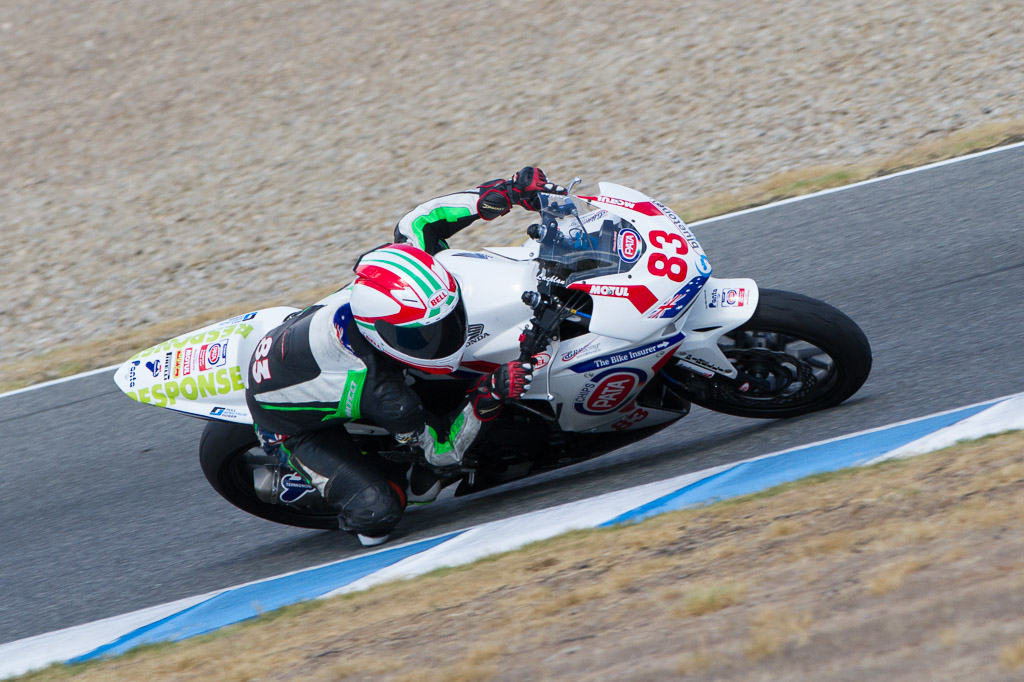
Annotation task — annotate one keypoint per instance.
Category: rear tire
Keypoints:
(805, 355)
(227, 463)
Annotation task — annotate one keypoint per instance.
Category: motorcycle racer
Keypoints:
(347, 356)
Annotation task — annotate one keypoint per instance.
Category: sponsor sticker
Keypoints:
(726, 298)
(703, 364)
(630, 245)
(239, 318)
(627, 355)
(220, 382)
(608, 391)
(541, 360)
(228, 413)
(476, 333)
(616, 202)
(591, 346)
(213, 355)
(644, 207)
(154, 367)
(678, 222)
(733, 298)
(293, 488)
(637, 294)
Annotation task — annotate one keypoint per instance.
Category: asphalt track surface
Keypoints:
(103, 509)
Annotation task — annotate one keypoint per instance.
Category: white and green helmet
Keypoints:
(408, 306)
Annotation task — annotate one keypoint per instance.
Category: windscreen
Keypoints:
(590, 243)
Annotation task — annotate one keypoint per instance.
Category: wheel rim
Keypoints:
(787, 371)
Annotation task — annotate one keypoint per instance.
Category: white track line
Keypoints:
(62, 380)
(706, 221)
(880, 178)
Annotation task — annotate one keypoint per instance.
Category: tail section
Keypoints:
(202, 372)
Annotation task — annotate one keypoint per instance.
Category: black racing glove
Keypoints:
(508, 382)
(524, 186)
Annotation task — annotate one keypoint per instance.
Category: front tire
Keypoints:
(804, 355)
(228, 454)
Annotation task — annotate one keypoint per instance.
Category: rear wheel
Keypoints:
(799, 354)
(229, 454)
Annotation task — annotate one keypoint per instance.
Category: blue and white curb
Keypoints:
(208, 612)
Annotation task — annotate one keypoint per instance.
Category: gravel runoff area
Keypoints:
(159, 158)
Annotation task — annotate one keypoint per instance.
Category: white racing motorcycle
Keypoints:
(613, 298)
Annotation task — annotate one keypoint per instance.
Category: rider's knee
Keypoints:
(373, 510)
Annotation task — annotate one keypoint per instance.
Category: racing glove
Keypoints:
(524, 186)
(497, 197)
(444, 447)
(508, 382)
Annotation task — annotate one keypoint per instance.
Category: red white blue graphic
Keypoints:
(608, 391)
(675, 305)
(630, 245)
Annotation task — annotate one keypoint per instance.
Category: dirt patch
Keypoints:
(907, 570)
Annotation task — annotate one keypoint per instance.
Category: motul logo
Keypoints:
(604, 290)
(616, 202)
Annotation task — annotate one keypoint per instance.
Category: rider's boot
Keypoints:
(422, 485)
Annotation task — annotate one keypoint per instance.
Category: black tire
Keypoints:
(805, 355)
(224, 455)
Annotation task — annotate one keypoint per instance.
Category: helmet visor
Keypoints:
(431, 341)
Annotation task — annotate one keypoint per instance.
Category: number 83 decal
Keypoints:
(661, 265)
(260, 363)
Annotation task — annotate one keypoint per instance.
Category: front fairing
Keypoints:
(640, 264)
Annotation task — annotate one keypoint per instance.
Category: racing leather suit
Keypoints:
(316, 371)
(433, 221)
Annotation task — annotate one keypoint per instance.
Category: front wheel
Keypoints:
(801, 355)
(228, 455)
